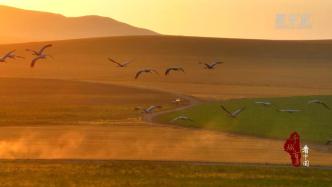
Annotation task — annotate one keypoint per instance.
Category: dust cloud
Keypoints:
(140, 142)
(37, 146)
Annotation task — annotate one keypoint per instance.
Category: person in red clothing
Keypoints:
(293, 147)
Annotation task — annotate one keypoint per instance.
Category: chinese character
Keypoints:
(280, 21)
(305, 151)
(305, 21)
(292, 21)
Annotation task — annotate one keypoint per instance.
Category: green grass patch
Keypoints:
(314, 122)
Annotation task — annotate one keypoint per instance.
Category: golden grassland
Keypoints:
(147, 173)
(58, 119)
(58, 102)
(252, 67)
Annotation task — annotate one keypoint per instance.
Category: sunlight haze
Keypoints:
(213, 18)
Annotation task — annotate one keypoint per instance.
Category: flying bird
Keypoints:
(41, 51)
(7, 55)
(119, 64)
(183, 118)
(173, 69)
(14, 56)
(145, 71)
(177, 101)
(233, 114)
(264, 103)
(150, 109)
(320, 103)
(211, 66)
(40, 57)
(291, 111)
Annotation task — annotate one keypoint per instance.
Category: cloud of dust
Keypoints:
(141, 142)
(149, 143)
(38, 146)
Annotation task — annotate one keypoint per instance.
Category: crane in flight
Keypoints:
(121, 65)
(7, 55)
(211, 66)
(169, 70)
(264, 103)
(14, 56)
(182, 118)
(291, 111)
(149, 109)
(319, 102)
(177, 101)
(138, 74)
(234, 114)
(40, 51)
(40, 57)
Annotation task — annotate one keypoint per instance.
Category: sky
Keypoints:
(262, 19)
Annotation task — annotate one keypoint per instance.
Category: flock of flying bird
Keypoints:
(37, 55)
(152, 108)
(40, 55)
(270, 104)
(168, 70)
(237, 112)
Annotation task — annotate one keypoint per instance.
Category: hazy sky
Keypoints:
(272, 19)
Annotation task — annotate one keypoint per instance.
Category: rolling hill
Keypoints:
(59, 102)
(19, 25)
(252, 68)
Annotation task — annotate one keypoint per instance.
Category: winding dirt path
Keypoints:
(190, 99)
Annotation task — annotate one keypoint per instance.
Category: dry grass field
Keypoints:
(145, 173)
(252, 67)
(80, 106)
(42, 102)
(57, 119)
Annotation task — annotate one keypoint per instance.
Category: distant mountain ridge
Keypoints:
(18, 25)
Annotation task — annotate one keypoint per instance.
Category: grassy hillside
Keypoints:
(253, 68)
(33, 101)
(313, 123)
(144, 173)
